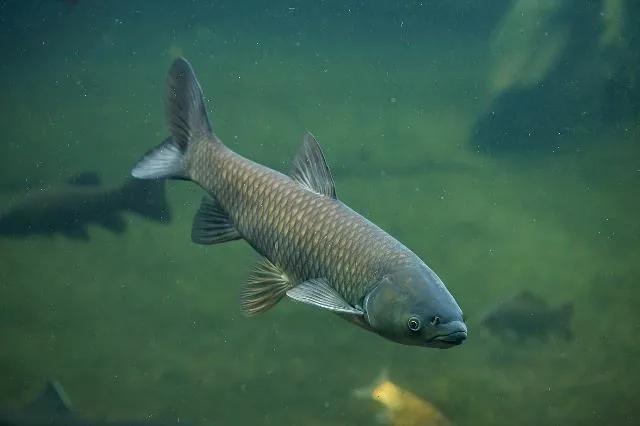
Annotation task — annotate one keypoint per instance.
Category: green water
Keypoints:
(148, 325)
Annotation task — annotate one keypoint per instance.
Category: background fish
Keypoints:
(53, 408)
(527, 315)
(316, 249)
(402, 407)
(70, 207)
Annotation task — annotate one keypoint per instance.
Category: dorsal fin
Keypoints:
(52, 400)
(310, 168)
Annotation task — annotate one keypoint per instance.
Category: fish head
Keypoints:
(411, 305)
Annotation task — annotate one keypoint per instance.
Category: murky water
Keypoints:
(501, 145)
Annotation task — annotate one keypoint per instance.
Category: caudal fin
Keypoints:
(163, 161)
(366, 392)
(187, 118)
(147, 198)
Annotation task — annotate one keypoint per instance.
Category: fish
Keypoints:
(526, 315)
(68, 208)
(403, 407)
(315, 249)
(52, 407)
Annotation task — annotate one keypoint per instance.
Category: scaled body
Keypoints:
(307, 234)
(316, 249)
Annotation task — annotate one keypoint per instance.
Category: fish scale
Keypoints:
(338, 244)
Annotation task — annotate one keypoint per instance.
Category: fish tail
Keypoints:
(188, 122)
(564, 314)
(366, 392)
(147, 198)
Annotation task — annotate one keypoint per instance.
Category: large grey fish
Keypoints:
(316, 249)
(53, 408)
(68, 208)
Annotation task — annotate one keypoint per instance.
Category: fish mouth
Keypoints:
(448, 340)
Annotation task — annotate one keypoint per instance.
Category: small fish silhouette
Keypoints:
(526, 315)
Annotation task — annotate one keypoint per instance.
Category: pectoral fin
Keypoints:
(265, 287)
(212, 224)
(319, 293)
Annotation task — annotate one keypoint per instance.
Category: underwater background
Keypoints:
(497, 140)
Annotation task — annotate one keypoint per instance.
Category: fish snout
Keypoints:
(450, 334)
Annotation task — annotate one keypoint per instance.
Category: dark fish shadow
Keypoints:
(576, 97)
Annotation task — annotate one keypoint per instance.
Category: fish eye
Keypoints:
(435, 320)
(414, 323)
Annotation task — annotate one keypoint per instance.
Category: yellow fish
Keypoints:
(404, 408)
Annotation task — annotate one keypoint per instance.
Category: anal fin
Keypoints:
(264, 288)
(212, 224)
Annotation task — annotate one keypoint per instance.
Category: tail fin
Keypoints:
(163, 161)
(186, 115)
(366, 392)
(564, 314)
(147, 198)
